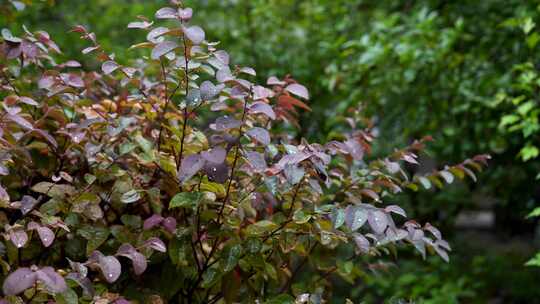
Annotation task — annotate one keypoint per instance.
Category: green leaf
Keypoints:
(67, 297)
(534, 261)
(425, 182)
(185, 200)
(300, 217)
(231, 255)
(261, 227)
(534, 213)
(281, 299)
(210, 277)
(130, 197)
(54, 190)
(94, 235)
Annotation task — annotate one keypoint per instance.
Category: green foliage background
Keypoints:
(462, 71)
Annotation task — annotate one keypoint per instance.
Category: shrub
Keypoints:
(175, 179)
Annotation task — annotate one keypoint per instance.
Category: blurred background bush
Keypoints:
(464, 72)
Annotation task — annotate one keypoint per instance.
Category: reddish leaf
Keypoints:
(286, 100)
(262, 108)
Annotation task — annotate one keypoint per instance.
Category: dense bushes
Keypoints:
(176, 178)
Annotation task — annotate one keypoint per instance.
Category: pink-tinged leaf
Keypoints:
(166, 13)
(110, 267)
(152, 221)
(155, 244)
(46, 235)
(355, 217)
(169, 224)
(194, 33)
(54, 282)
(377, 221)
(361, 242)
(256, 160)
(395, 209)
(185, 13)
(260, 107)
(46, 82)
(442, 253)
(190, 166)
(272, 80)
(29, 101)
(138, 260)
(122, 301)
(209, 90)
(259, 134)
(140, 24)
(90, 49)
(163, 48)
(225, 123)
(354, 148)
(18, 237)
(298, 90)
(20, 121)
(216, 155)
(19, 281)
(469, 172)
(436, 233)
(109, 66)
(248, 70)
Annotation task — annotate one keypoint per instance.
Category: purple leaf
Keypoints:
(260, 92)
(355, 217)
(20, 121)
(395, 209)
(47, 136)
(361, 242)
(298, 90)
(169, 224)
(18, 237)
(208, 90)
(109, 66)
(256, 160)
(29, 101)
(222, 56)
(163, 48)
(110, 267)
(54, 282)
(18, 281)
(138, 260)
(166, 13)
(46, 235)
(377, 220)
(140, 24)
(154, 35)
(194, 33)
(249, 71)
(27, 204)
(259, 134)
(225, 123)
(156, 244)
(185, 13)
(262, 108)
(273, 80)
(152, 221)
(190, 166)
(224, 75)
(436, 233)
(29, 49)
(218, 173)
(216, 155)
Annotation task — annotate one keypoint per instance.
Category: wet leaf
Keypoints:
(185, 200)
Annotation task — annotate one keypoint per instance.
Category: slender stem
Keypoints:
(164, 112)
(186, 116)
